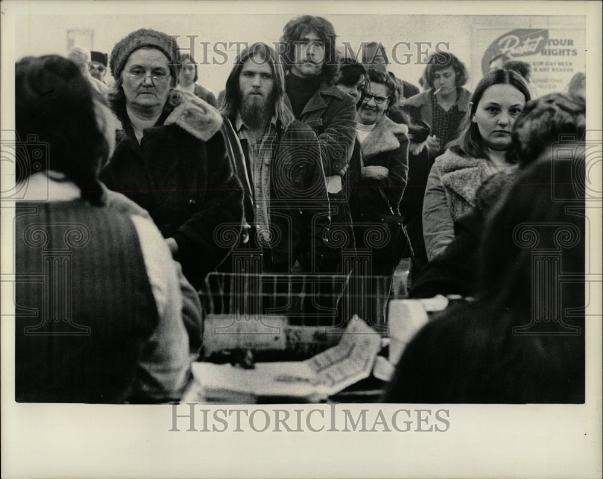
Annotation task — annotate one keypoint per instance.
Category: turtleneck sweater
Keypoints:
(300, 90)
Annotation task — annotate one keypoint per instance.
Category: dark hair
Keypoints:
(188, 57)
(297, 27)
(350, 72)
(232, 94)
(376, 76)
(550, 119)
(534, 217)
(439, 61)
(523, 68)
(54, 104)
(470, 142)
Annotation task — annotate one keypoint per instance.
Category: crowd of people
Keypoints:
(307, 158)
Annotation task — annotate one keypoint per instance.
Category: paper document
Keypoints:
(312, 380)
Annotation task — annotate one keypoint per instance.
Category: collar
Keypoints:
(50, 186)
(425, 98)
(318, 101)
(383, 137)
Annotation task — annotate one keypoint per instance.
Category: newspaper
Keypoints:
(312, 380)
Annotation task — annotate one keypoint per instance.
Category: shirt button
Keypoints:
(192, 202)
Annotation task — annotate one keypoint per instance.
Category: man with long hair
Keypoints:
(281, 168)
(310, 61)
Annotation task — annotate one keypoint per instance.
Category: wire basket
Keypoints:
(303, 299)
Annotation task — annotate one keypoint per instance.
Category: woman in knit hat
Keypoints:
(170, 157)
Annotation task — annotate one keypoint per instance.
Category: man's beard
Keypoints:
(256, 111)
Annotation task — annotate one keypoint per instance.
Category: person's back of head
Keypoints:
(549, 121)
(54, 106)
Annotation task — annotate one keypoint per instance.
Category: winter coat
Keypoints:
(450, 193)
(206, 95)
(386, 145)
(332, 115)
(297, 195)
(419, 107)
(187, 186)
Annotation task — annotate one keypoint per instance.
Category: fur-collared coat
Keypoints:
(386, 145)
(451, 188)
(187, 186)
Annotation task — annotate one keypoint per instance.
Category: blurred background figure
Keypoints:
(82, 59)
(98, 65)
(525, 70)
(187, 80)
(497, 62)
(577, 86)
(118, 328)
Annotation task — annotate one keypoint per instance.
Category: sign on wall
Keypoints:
(555, 54)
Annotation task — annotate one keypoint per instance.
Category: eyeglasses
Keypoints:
(379, 100)
(157, 76)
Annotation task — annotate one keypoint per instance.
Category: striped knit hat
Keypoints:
(139, 39)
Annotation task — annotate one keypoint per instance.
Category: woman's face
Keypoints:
(496, 113)
(146, 78)
(375, 102)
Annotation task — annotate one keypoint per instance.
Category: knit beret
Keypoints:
(139, 39)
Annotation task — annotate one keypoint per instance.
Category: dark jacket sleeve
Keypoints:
(395, 183)
(208, 235)
(301, 184)
(337, 140)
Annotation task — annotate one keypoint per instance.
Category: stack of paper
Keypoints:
(310, 381)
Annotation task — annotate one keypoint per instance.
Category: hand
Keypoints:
(172, 245)
(375, 172)
(433, 143)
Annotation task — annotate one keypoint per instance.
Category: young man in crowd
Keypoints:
(172, 160)
(281, 169)
(310, 61)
